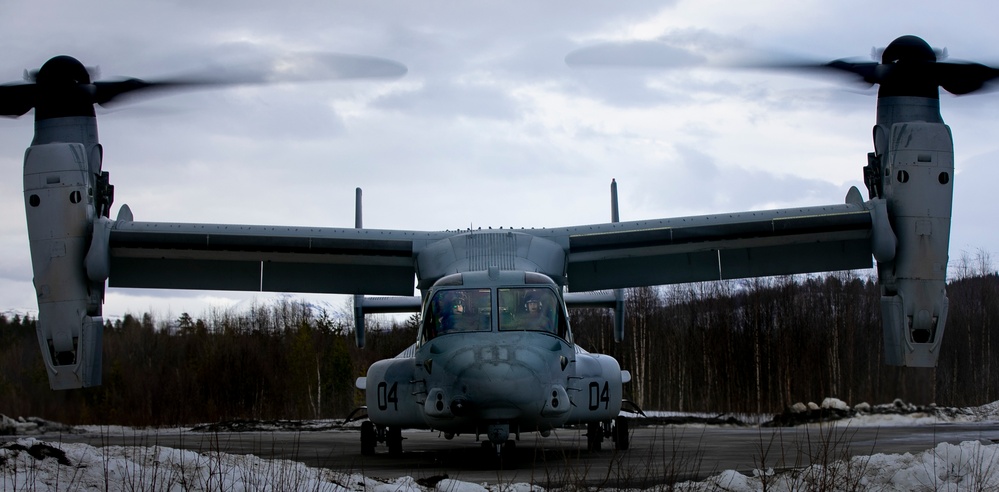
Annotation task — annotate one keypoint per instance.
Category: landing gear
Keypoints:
(499, 435)
(488, 447)
(372, 435)
(393, 437)
(618, 432)
(500, 455)
(369, 437)
(594, 436)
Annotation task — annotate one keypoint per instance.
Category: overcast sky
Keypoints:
(489, 127)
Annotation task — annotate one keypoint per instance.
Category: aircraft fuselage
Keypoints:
(494, 356)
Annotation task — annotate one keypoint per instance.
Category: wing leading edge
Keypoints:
(264, 258)
(717, 247)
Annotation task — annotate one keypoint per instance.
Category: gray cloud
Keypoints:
(488, 127)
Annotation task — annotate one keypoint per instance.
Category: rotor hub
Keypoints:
(908, 49)
(62, 70)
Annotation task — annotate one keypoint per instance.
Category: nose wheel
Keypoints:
(499, 448)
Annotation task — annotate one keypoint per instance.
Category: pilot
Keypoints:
(459, 317)
(535, 318)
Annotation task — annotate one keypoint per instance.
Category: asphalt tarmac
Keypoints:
(658, 454)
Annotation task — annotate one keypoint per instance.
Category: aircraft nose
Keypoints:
(513, 380)
(498, 382)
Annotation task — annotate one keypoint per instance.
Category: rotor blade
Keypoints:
(869, 73)
(634, 54)
(300, 67)
(912, 66)
(961, 78)
(664, 54)
(660, 55)
(16, 99)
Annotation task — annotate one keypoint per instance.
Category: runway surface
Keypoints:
(658, 454)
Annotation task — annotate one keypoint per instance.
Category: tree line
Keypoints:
(290, 360)
(726, 347)
(764, 344)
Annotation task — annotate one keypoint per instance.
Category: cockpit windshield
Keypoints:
(459, 310)
(528, 309)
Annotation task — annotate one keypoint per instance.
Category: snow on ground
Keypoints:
(837, 412)
(30, 463)
(967, 466)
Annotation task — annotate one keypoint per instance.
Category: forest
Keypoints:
(753, 346)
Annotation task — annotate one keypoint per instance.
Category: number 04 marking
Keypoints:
(388, 395)
(598, 395)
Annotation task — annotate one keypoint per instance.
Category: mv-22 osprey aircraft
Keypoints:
(495, 353)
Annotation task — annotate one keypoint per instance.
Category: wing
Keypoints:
(593, 257)
(264, 258)
(716, 247)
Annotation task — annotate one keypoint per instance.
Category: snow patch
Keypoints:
(32, 464)
(836, 410)
(30, 426)
(835, 404)
(969, 465)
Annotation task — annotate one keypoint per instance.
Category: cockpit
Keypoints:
(463, 309)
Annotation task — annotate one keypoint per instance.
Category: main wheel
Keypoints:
(393, 437)
(621, 436)
(594, 436)
(368, 438)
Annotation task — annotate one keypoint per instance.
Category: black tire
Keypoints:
(368, 438)
(594, 436)
(622, 438)
(394, 440)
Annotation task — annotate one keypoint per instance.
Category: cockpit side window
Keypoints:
(458, 310)
(530, 309)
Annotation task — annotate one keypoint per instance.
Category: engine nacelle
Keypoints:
(917, 178)
(59, 204)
